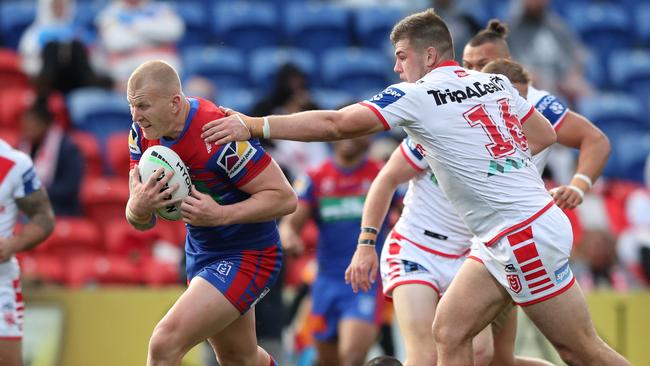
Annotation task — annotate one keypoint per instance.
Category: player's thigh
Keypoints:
(327, 352)
(10, 352)
(564, 320)
(237, 338)
(356, 335)
(473, 299)
(415, 307)
(200, 312)
(504, 331)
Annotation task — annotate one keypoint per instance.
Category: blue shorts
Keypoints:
(242, 276)
(333, 301)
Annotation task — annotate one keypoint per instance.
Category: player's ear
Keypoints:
(431, 56)
(175, 103)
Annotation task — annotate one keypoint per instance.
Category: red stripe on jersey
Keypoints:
(534, 275)
(5, 167)
(239, 284)
(536, 291)
(475, 258)
(530, 112)
(255, 169)
(538, 283)
(531, 266)
(557, 124)
(411, 282)
(521, 236)
(519, 225)
(409, 160)
(379, 115)
(526, 253)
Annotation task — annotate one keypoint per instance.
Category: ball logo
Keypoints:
(514, 283)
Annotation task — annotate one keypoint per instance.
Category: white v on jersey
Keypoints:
(469, 124)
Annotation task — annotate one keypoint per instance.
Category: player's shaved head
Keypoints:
(158, 76)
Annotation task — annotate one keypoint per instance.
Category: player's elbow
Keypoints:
(547, 138)
(600, 142)
(288, 202)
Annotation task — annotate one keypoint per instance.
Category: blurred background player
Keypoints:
(233, 253)
(421, 256)
(333, 194)
(20, 192)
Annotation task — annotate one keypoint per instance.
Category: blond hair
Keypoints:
(512, 70)
(157, 75)
(424, 29)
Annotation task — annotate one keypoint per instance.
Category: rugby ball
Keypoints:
(161, 157)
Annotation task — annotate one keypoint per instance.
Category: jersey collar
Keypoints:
(447, 63)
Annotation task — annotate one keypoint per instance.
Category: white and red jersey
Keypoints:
(470, 125)
(17, 179)
(428, 219)
(554, 110)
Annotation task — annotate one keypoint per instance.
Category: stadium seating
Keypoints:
(118, 153)
(224, 66)
(602, 27)
(15, 17)
(103, 269)
(373, 24)
(90, 151)
(13, 102)
(641, 24)
(331, 98)
(355, 70)
(11, 73)
(317, 26)
(265, 63)
(613, 110)
(238, 99)
(245, 25)
(630, 72)
(104, 198)
(197, 30)
(71, 236)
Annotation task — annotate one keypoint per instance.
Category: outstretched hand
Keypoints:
(362, 271)
(226, 129)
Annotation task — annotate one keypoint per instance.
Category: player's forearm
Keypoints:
(594, 151)
(378, 201)
(303, 126)
(139, 221)
(262, 206)
(39, 227)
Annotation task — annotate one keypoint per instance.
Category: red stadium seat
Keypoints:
(13, 103)
(104, 199)
(122, 239)
(157, 273)
(10, 71)
(41, 268)
(118, 153)
(103, 269)
(72, 236)
(10, 136)
(89, 147)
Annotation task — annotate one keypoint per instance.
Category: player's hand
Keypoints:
(227, 129)
(7, 249)
(362, 271)
(144, 198)
(291, 242)
(200, 209)
(565, 197)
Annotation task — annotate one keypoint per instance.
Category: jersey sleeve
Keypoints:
(240, 161)
(135, 145)
(553, 109)
(395, 106)
(24, 176)
(414, 154)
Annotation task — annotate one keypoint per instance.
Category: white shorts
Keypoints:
(532, 263)
(404, 263)
(11, 309)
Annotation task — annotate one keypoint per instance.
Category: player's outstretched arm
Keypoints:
(539, 132)
(362, 271)
(271, 197)
(36, 206)
(578, 132)
(352, 121)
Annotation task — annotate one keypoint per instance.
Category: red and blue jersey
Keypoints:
(217, 170)
(336, 196)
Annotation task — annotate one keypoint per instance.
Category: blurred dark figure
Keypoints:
(598, 265)
(54, 53)
(290, 93)
(57, 160)
(462, 22)
(383, 361)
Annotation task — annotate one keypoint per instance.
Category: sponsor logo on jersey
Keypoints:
(234, 157)
(411, 267)
(562, 273)
(387, 97)
(134, 146)
(514, 283)
(476, 90)
(341, 208)
(461, 73)
(31, 182)
(551, 108)
(510, 268)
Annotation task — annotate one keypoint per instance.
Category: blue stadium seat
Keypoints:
(15, 17)
(614, 111)
(331, 98)
(265, 62)
(630, 149)
(356, 70)
(642, 26)
(241, 100)
(630, 72)
(594, 69)
(603, 27)
(373, 24)
(317, 26)
(225, 66)
(195, 16)
(246, 25)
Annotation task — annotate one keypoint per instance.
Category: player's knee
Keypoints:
(164, 344)
(483, 354)
(353, 356)
(234, 357)
(445, 334)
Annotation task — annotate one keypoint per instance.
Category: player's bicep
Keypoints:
(359, 120)
(36, 206)
(270, 178)
(539, 132)
(575, 129)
